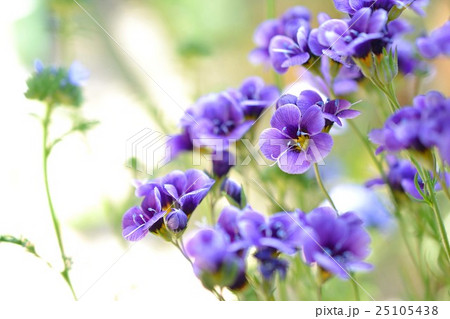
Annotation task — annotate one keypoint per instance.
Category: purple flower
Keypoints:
(338, 244)
(215, 262)
(333, 110)
(356, 37)
(165, 201)
(254, 96)
(217, 121)
(418, 127)
(437, 43)
(296, 140)
(287, 25)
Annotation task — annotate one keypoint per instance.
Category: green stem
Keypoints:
(322, 187)
(432, 202)
(56, 225)
(355, 289)
(439, 219)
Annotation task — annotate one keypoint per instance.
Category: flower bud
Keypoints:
(176, 221)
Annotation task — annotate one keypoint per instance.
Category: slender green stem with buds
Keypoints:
(56, 225)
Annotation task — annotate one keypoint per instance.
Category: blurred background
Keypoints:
(148, 60)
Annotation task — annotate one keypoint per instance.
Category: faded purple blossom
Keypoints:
(296, 140)
(254, 96)
(287, 26)
(164, 202)
(437, 43)
(338, 244)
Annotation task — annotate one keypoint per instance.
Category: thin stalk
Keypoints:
(432, 202)
(439, 219)
(56, 225)
(355, 290)
(322, 187)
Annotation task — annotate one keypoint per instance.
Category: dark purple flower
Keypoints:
(165, 200)
(217, 121)
(356, 37)
(269, 264)
(233, 191)
(437, 43)
(254, 96)
(338, 244)
(215, 263)
(296, 140)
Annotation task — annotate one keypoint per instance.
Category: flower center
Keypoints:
(302, 142)
(222, 128)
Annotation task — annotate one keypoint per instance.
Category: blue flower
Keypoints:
(165, 201)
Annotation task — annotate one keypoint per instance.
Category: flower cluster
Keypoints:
(299, 134)
(419, 127)
(57, 86)
(167, 204)
(338, 244)
(437, 43)
(216, 120)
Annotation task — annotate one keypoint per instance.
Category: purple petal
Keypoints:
(320, 146)
(348, 114)
(287, 120)
(312, 120)
(272, 143)
(293, 162)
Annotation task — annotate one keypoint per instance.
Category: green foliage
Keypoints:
(52, 86)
